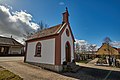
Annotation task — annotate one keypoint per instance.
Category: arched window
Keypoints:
(67, 32)
(38, 50)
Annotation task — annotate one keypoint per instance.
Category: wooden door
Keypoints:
(68, 52)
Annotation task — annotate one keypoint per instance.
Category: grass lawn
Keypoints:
(83, 61)
(7, 75)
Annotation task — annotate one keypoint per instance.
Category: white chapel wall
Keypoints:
(64, 39)
(47, 52)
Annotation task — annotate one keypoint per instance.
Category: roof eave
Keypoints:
(41, 37)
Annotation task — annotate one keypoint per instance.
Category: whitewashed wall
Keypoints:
(47, 52)
(14, 50)
(64, 39)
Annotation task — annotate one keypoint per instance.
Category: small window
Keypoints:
(104, 49)
(2, 49)
(38, 50)
(67, 32)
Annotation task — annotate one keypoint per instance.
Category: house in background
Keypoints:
(50, 47)
(10, 47)
(106, 49)
(118, 50)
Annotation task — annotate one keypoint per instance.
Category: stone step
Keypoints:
(73, 67)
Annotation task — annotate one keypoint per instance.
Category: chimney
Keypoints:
(11, 36)
(66, 16)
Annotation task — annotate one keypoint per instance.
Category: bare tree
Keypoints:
(92, 48)
(29, 34)
(83, 48)
(42, 26)
(77, 48)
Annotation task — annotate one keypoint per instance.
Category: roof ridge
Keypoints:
(61, 27)
(10, 41)
(5, 37)
(58, 28)
(47, 28)
(46, 32)
(51, 27)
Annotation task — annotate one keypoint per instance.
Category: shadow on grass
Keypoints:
(7, 75)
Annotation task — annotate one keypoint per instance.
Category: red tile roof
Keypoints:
(118, 50)
(46, 32)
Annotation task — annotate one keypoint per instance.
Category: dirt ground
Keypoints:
(30, 72)
(86, 72)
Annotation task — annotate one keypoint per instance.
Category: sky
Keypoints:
(90, 20)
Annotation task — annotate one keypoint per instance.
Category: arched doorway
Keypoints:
(68, 52)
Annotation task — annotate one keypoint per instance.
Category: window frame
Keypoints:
(38, 51)
(67, 32)
(105, 50)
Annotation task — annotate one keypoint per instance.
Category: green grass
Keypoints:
(7, 75)
(83, 61)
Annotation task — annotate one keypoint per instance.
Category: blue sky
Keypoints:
(90, 20)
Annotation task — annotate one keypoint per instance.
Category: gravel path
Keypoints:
(11, 59)
(86, 72)
(93, 61)
(30, 72)
(98, 67)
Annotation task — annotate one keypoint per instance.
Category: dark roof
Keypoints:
(46, 32)
(9, 41)
(118, 50)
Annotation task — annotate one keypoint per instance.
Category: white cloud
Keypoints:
(61, 3)
(115, 43)
(16, 23)
(84, 43)
(81, 42)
